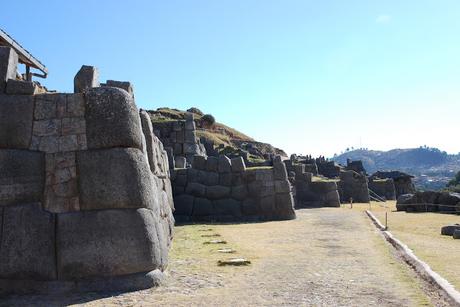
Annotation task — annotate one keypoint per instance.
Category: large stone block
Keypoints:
(224, 164)
(217, 191)
(112, 119)
(125, 85)
(183, 205)
(19, 87)
(199, 162)
(284, 208)
(196, 189)
(27, 248)
(22, 176)
(282, 186)
(109, 243)
(228, 206)
(8, 66)
(203, 207)
(240, 192)
(115, 178)
(16, 117)
(212, 164)
(279, 169)
(238, 165)
(86, 78)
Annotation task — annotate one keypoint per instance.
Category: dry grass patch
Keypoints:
(422, 233)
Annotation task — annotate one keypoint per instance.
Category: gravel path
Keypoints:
(326, 257)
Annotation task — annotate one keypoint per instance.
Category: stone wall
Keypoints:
(180, 140)
(220, 189)
(312, 191)
(353, 186)
(384, 188)
(429, 201)
(85, 193)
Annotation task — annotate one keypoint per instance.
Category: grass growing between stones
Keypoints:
(422, 233)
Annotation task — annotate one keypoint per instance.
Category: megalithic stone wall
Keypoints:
(313, 193)
(220, 189)
(353, 185)
(85, 193)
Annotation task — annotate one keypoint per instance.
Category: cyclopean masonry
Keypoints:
(85, 194)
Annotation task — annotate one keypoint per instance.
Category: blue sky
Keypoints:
(307, 76)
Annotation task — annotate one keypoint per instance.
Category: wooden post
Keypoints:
(28, 76)
(386, 220)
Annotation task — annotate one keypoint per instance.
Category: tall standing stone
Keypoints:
(8, 66)
(86, 78)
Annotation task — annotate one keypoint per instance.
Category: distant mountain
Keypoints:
(431, 167)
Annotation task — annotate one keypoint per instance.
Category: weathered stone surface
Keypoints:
(86, 78)
(75, 105)
(16, 116)
(249, 207)
(19, 87)
(227, 206)
(184, 205)
(267, 205)
(282, 186)
(180, 162)
(450, 229)
(8, 66)
(73, 125)
(225, 179)
(190, 136)
(125, 85)
(202, 207)
(22, 176)
(224, 164)
(264, 175)
(191, 148)
(238, 165)
(112, 119)
(354, 186)
(212, 164)
(279, 169)
(27, 248)
(115, 178)
(284, 206)
(196, 189)
(456, 234)
(109, 243)
(199, 162)
(239, 192)
(217, 191)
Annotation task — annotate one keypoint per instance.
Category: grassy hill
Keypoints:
(431, 167)
(228, 138)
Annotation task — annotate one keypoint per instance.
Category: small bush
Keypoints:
(208, 120)
(195, 111)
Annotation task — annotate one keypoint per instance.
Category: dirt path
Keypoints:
(326, 257)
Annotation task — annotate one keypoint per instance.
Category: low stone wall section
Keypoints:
(353, 186)
(384, 188)
(429, 201)
(220, 189)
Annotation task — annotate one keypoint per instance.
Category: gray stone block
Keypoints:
(203, 207)
(227, 206)
(19, 87)
(279, 169)
(22, 176)
(86, 78)
(456, 234)
(8, 66)
(282, 186)
(240, 192)
(190, 136)
(109, 243)
(264, 174)
(267, 205)
(180, 162)
(191, 148)
(212, 164)
(217, 192)
(124, 85)
(224, 164)
(27, 249)
(449, 229)
(199, 162)
(284, 208)
(112, 119)
(183, 205)
(249, 207)
(208, 178)
(16, 117)
(115, 178)
(196, 189)
(225, 179)
(238, 165)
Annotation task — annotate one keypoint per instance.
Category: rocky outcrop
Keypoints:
(85, 193)
(384, 188)
(220, 189)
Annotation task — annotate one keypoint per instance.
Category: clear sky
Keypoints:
(307, 76)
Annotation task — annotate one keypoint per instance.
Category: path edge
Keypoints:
(420, 267)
